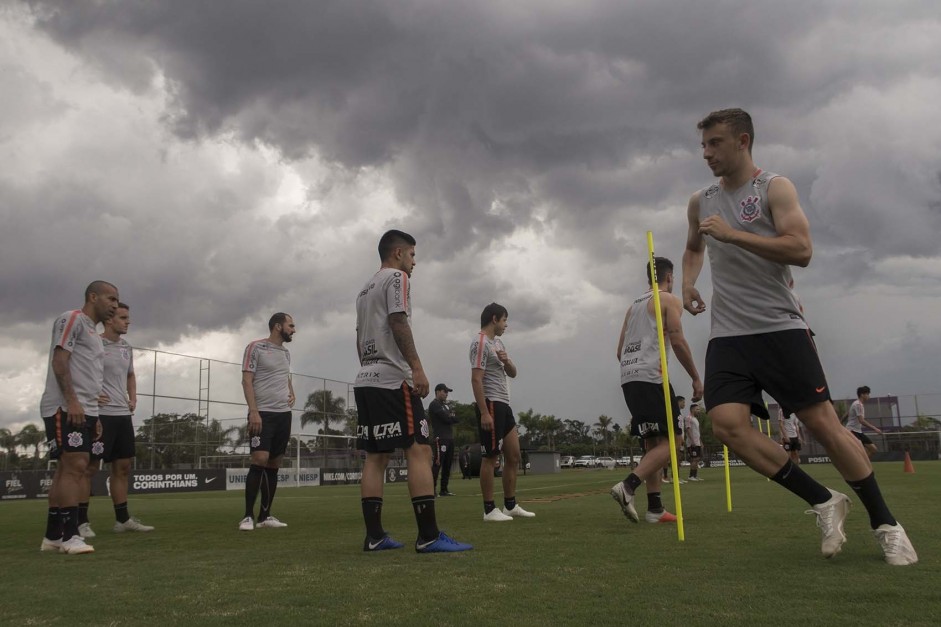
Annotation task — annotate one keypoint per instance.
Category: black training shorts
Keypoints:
(783, 363)
(862, 437)
(389, 419)
(503, 422)
(116, 440)
(61, 436)
(792, 444)
(275, 433)
(648, 411)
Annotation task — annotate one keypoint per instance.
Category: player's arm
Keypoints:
(477, 385)
(693, 256)
(792, 244)
(627, 316)
(508, 366)
(863, 421)
(131, 391)
(672, 311)
(781, 428)
(402, 333)
(60, 368)
(291, 398)
(248, 388)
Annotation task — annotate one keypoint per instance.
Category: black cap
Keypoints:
(442, 386)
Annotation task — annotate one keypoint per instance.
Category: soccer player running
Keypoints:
(642, 383)
(856, 419)
(791, 436)
(269, 392)
(756, 229)
(490, 366)
(116, 444)
(388, 390)
(69, 409)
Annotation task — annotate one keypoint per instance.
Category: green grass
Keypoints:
(578, 562)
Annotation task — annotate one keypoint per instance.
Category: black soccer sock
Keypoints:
(424, 507)
(694, 472)
(252, 484)
(69, 522)
(632, 483)
(83, 513)
(268, 486)
(509, 503)
(800, 483)
(120, 512)
(53, 527)
(489, 506)
(372, 515)
(869, 493)
(654, 504)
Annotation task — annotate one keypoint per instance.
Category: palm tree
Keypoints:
(603, 428)
(30, 435)
(550, 426)
(323, 407)
(8, 444)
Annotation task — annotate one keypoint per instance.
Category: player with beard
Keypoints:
(756, 230)
(69, 408)
(269, 392)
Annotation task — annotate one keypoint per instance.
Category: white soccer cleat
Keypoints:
(830, 517)
(626, 501)
(54, 546)
(496, 515)
(662, 517)
(247, 524)
(518, 512)
(271, 523)
(86, 531)
(76, 546)
(132, 524)
(895, 544)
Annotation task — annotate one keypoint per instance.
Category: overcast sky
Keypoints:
(220, 161)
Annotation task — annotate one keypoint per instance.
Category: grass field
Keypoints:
(579, 562)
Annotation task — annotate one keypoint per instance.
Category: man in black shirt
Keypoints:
(442, 417)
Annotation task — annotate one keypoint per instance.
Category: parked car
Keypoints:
(627, 462)
(604, 462)
(568, 461)
(585, 461)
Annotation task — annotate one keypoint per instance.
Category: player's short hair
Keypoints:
(391, 240)
(491, 310)
(738, 121)
(95, 287)
(123, 306)
(680, 398)
(862, 390)
(663, 265)
(278, 318)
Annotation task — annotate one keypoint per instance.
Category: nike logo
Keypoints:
(422, 545)
(819, 390)
(211, 480)
(374, 545)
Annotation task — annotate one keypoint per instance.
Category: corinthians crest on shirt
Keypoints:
(751, 209)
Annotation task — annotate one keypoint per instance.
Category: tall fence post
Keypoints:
(153, 414)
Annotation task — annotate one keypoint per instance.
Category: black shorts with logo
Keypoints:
(389, 419)
(695, 452)
(862, 437)
(275, 433)
(792, 444)
(116, 440)
(648, 411)
(782, 363)
(61, 436)
(504, 421)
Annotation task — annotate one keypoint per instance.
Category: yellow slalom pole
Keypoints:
(728, 481)
(680, 532)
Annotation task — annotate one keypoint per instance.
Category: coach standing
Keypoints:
(266, 382)
(442, 418)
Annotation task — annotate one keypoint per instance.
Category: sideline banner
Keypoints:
(287, 478)
(159, 481)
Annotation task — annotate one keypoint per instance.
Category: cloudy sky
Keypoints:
(220, 161)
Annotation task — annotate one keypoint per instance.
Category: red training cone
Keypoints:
(908, 463)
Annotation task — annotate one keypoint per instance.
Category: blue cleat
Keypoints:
(383, 544)
(441, 544)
